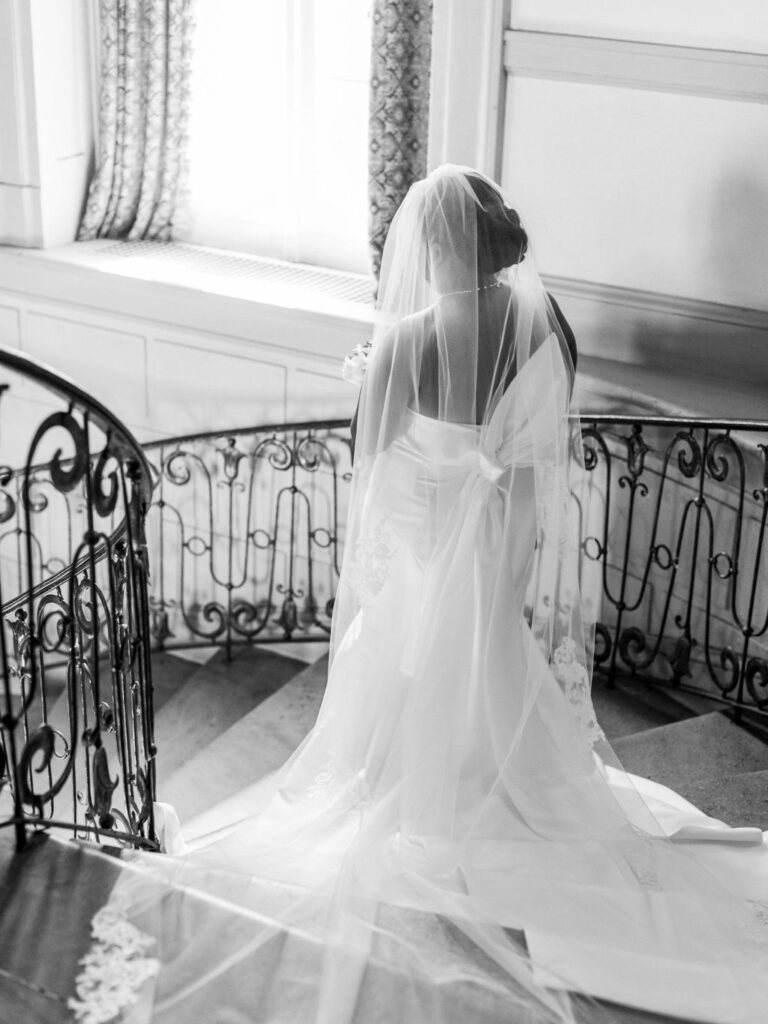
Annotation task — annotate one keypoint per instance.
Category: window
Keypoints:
(278, 129)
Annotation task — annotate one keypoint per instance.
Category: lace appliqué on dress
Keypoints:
(553, 512)
(574, 680)
(114, 969)
(640, 861)
(369, 570)
(758, 927)
(334, 779)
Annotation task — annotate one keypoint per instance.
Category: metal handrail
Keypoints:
(627, 419)
(79, 601)
(63, 386)
(260, 428)
(338, 423)
(123, 441)
(664, 476)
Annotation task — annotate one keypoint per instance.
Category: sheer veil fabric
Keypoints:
(455, 839)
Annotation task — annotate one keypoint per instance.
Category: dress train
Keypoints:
(454, 839)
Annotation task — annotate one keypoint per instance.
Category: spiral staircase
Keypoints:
(170, 642)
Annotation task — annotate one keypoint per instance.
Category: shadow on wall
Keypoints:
(737, 241)
(725, 336)
(643, 341)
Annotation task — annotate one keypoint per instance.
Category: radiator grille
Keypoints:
(334, 283)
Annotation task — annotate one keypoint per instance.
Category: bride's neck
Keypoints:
(479, 289)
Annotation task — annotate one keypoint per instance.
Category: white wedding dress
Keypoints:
(458, 782)
(455, 840)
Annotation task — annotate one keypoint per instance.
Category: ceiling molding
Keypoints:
(720, 74)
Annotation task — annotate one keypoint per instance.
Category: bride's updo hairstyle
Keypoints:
(466, 233)
(501, 239)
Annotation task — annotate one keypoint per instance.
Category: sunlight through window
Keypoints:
(278, 129)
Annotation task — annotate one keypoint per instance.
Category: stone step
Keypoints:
(633, 706)
(706, 747)
(214, 698)
(709, 760)
(48, 894)
(172, 671)
(740, 800)
(207, 789)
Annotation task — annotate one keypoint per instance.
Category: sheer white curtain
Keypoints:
(278, 129)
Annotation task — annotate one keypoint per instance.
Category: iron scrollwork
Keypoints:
(248, 529)
(681, 548)
(245, 532)
(77, 716)
(246, 535)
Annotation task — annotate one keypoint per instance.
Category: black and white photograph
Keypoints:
(383, 512)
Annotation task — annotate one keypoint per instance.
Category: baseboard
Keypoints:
(665, 333)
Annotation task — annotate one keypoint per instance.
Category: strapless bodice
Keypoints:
(525, 429)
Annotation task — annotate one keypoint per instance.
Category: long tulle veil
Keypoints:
(455, 839)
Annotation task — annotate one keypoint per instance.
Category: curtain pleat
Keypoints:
(399, 109)
(143, 119)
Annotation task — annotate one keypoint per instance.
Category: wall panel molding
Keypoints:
(169, 358)
(659, 303)
(720, 74)
(677, 339)
(172, 358)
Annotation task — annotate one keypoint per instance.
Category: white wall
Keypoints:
(642, 189)
(46, 124)
(635, 146)
(640, 169)
(168, 359)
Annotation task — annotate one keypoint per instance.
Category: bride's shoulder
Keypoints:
(417, 326)
(408, 335)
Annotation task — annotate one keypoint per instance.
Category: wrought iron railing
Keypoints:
(247, 528)
(679, 538)
(245, 531)
(245, 534)
(76, 725)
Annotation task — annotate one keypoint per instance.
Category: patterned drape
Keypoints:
(143, 117)
(399, 109)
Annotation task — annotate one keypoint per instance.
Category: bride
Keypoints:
(455, 840)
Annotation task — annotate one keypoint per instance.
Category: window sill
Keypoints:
(315, 312)
(196, 288)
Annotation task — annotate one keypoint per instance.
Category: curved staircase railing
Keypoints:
(245, 532)
(677, 537)
(76, 724)
(247, 529)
